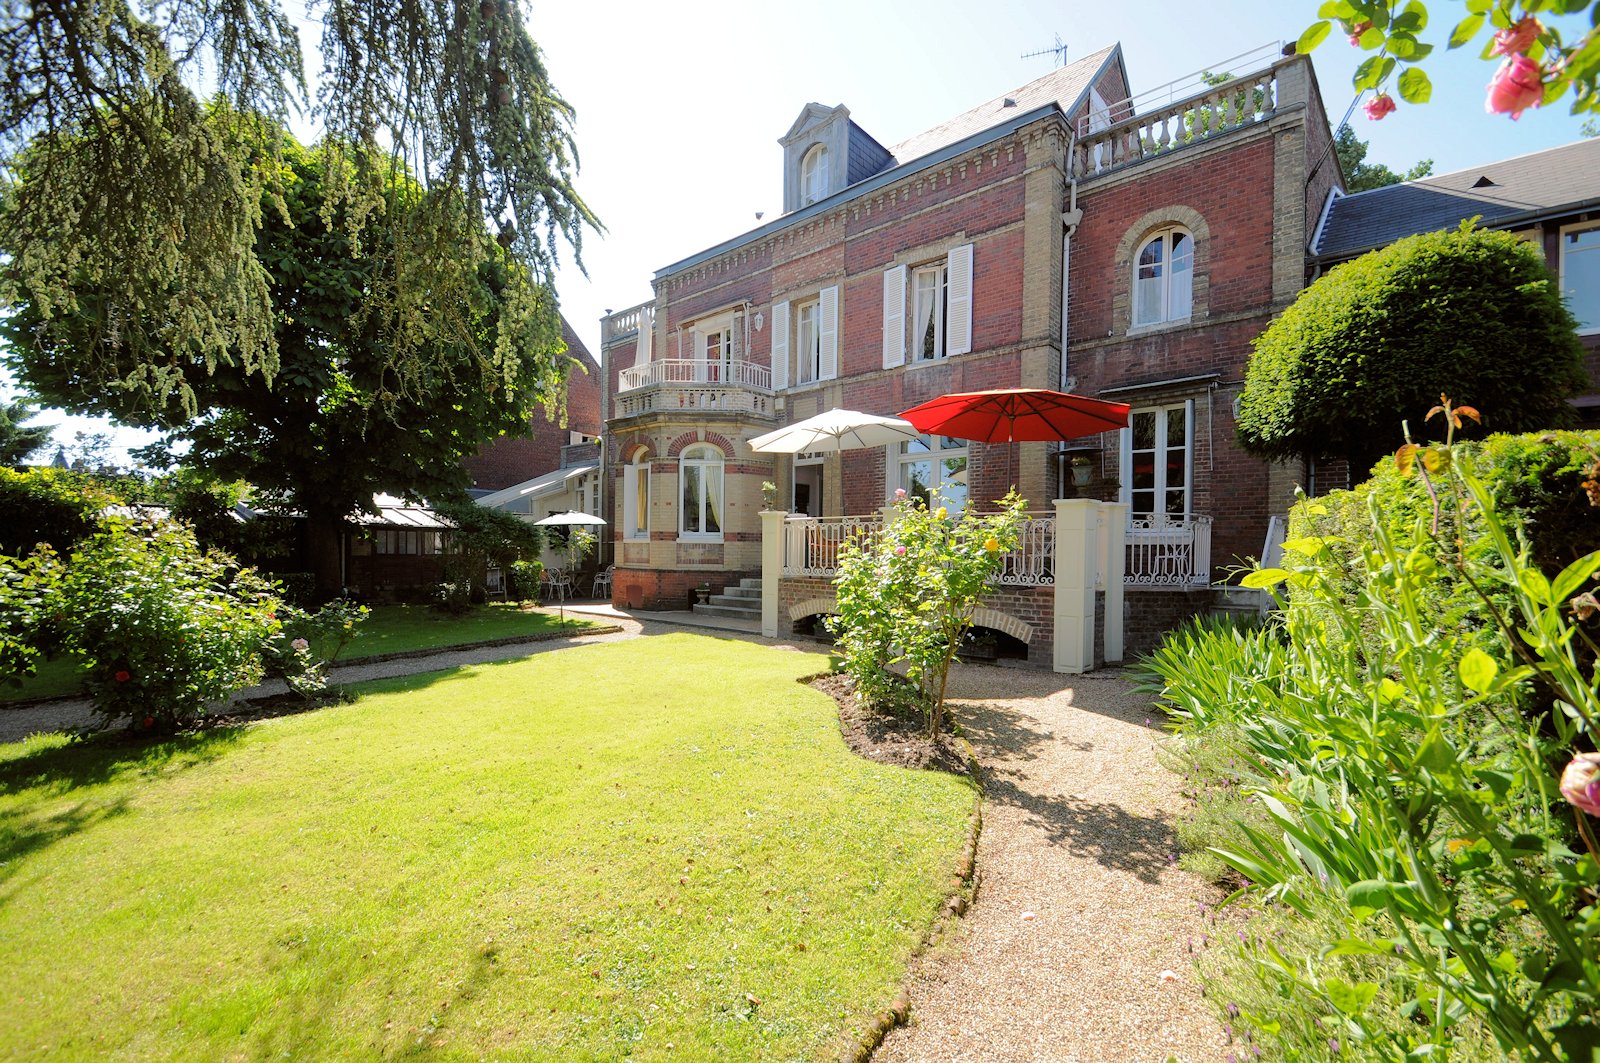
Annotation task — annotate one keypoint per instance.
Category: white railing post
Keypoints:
(1076, 561)
(772, 536)
(1114, 526)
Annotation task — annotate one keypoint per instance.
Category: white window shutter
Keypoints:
(894, 316)
(641, 345)
(828, 334)
(780, 346)
(958, 300)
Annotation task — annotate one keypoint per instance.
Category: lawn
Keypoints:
(390, 629)
(658, 848)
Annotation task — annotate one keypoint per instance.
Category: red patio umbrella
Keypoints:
(1014, 415)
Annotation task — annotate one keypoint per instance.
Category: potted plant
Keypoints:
(769, 494)
(703, 593)
(1082, 468)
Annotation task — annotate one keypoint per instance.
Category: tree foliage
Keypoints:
(1363, 176)
(1526, 34)
(1471, 312)
(342, 419)
(138, 144)
(18, 440)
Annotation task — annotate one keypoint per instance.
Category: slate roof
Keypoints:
(1064, 87)
(1556, 181)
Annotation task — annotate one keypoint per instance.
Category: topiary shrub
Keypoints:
(1471, 313)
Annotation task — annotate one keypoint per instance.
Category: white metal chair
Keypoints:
(557, 584)
(601, 587)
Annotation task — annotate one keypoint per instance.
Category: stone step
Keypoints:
(746, 593)
(751, 584)
(715, 608)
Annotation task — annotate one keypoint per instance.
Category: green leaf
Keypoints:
(1314, 35)
(1350, 999)
(1479, 7)
(1310, 545)
(1371, 37)
(1465, 30)
(1477, 670)
(1410, 49)
(1357, 947)
(1335, 9)
(1535, 586)
(1265, 577)
(1436, 753)
(1371, 74)
(1574, 576)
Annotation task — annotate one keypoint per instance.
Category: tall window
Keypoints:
(928, 312)
(1157, 454)
(1163, 283)
(636, 498)
(1580, 275)
(700, 489)
(814, 175)
(716, 351)
(934, 469)
(808, 342)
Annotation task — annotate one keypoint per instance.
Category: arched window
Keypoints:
(636, 497)
(700, 489)
(814, 175)
(1163, 278)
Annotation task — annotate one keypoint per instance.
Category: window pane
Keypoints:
(713, 482)
(1180, 281)
(691, 498)
(1580, 276)
(1144, 430)
(928, 334)
(915, 446)
(1143, 502)
(953, 484)
(916, 479)
(1175, 428)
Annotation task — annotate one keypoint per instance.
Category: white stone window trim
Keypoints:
(1592, 328)
(814, 168)
(1166, 319)
(635, 529)
(705, 457)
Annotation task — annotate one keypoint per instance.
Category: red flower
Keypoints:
(1380, 105)
(123, 676)
(1516, 86)
(1516, 38)
(149, 722)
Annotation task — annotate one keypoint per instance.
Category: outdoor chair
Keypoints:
(601, 585)
(557, 584)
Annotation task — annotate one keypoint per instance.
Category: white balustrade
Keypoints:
(811, 544)
(617, 325)
(1218, 109)
(695, 371)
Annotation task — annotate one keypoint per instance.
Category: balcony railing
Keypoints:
(620, 325)
(686, 384)
(695, 371)
(1164, 552)
(1219, 109)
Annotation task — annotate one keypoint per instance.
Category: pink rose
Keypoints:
(1516, 38)
(900, 551)
(1356, 31)
(899, 493)
(300, 645)
(1580, 782)
(1516, 86)
(1380, 105)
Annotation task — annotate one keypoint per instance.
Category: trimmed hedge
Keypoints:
(1470, 313)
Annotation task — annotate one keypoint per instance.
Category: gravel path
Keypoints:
(1077, 832)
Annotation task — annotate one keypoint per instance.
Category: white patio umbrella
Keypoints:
(835, 430)
(570, 518)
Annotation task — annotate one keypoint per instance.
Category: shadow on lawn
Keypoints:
(53, 774)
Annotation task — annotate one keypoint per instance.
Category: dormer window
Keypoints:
(814, 175)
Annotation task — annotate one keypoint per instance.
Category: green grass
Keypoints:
(390, 629)
(603, 852)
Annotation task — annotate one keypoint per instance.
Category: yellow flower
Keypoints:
(992, 545)
(940, 513)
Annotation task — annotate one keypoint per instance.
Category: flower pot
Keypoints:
(1081, 474)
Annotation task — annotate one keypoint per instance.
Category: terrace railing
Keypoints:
(811, 547)
(1168, 552)
(673, 384)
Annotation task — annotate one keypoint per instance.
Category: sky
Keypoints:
(680, 106)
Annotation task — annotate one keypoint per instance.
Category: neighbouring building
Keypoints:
(1069, 235)
(1550, 198)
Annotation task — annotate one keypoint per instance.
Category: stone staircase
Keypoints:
(739, 603)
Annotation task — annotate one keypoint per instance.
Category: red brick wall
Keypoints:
(510, 460)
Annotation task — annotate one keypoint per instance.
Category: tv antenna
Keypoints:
(1059, 51)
